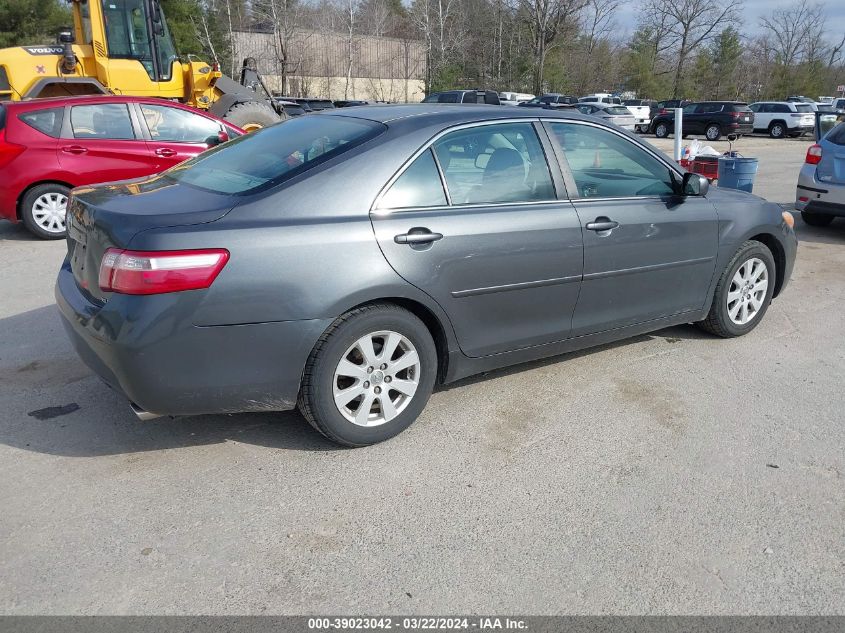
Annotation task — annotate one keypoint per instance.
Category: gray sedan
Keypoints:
(616, 114)
(349, 261)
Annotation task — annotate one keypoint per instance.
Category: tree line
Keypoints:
(696, 49)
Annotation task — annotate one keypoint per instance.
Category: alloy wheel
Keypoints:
(713, 133)
(49, 210)
(748, 291)
(376, 378)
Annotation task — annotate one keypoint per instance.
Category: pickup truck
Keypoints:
(641, 109)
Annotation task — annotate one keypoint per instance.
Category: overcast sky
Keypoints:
(835, 9)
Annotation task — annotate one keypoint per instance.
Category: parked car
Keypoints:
(48, 146)
(713, 119)
(601, 97)
(291, 108)
(820, 194)
(550, 100)
(490, 97)
(616, 114)
(479, 237)
(514, 98)
(351, 103)
(643, 111)
(783, 118)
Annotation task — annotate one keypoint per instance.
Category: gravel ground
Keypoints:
(670, 473)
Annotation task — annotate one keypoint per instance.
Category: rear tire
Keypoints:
(816, 219)
(743, 293)
(661, 130)
(351, 384)
(713, 132)
(251, 115)
(43, 210)
(777, 130)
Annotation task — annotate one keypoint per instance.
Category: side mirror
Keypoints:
(694, 185)
(216, 139)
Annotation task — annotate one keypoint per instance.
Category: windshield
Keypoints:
(277, 153)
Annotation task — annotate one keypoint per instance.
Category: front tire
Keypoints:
(43, 210)
(713, 132)
(816, 219)
(369, 376)
(743, 293)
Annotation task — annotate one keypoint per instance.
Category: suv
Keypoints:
(820, 195)
(710, 118)
(783, 118)
(49, 146)
(602, 97)
(550, 100)
(490, 97)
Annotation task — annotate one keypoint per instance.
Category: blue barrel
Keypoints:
(737, 173)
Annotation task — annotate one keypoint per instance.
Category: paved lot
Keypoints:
(672, 473)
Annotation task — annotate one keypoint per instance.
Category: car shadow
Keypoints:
(15, 232)
(51, 403)
(673, 334)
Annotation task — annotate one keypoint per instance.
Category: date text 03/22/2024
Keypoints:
(417, 623)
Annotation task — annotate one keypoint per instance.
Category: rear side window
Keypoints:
(448, 97)
(418, 186)
(495, 163)
(837, 135)
(274, 154)
(47, 121)
(101, 121)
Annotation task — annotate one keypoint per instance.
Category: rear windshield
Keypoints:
(837, 135)
(270, 156)
(617, 110)
(737, 107)
(803, 107)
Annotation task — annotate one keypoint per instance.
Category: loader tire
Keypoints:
(251, 115)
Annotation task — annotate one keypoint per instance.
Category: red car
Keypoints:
(49, 146)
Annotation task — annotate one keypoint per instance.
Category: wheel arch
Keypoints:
(30, 187)
(779, 253)
(433, 322)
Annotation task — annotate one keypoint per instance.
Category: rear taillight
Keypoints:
(663, 111)
(736, 115)
(814, 155)
(8, 151)
(158, 272)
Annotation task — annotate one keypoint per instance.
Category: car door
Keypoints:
(648, 253)
(102, 142)
(175, 134)
(496, 248)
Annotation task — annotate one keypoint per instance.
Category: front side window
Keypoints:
(495, 163)
(179, 126)
(47, 121)
(274, 154)
(101, 121)
(606, 165)
(418, 186)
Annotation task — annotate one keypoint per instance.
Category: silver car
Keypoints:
(610, 112)
(820, 195)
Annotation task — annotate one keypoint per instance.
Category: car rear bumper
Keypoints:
(739, 128)
(814, 196)
(166, 365)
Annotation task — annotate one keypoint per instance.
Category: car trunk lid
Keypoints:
(109, 216)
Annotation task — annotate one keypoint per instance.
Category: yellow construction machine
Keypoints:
(124, 47)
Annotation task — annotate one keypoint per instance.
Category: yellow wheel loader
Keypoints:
(124, 47)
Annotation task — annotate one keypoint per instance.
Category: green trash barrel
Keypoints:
(737, 173)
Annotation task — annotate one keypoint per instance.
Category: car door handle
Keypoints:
(602, 224)
(74, 149)
(164, 151)
(418, 238)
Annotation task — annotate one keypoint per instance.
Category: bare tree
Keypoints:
(546, 19)
(284, 18)
(688, 24)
